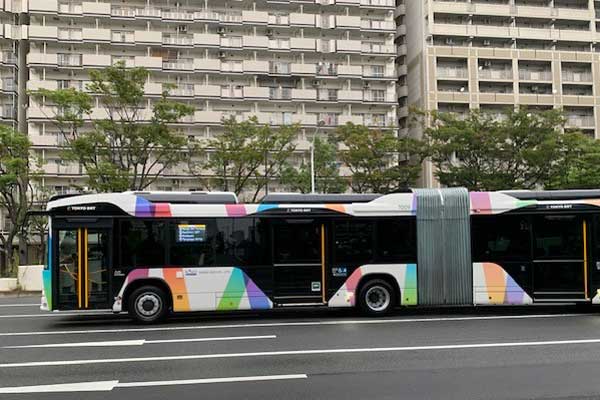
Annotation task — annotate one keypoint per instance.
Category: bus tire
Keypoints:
(376, 298)
(148, 305)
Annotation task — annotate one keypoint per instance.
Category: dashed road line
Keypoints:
(107, 386)
(139, 342)
(299, 352)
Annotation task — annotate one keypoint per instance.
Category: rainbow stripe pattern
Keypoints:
(488, 203)
(405, 275)
(493, 285)
(203, 289)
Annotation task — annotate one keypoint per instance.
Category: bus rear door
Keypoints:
(561, 257)
(83, 257)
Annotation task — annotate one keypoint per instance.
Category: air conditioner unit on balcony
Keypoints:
(269, 32)
(221, 30)
(222, 54)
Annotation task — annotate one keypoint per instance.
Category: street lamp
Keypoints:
(312, 157)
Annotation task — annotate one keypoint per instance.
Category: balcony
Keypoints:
(327, 69)
(180, 89)
(496, 74)
(178, 40)
(377, 96)
(123, 12)
(148, 12)
(69, 60)
(329, 119)
(372, 24)
(375, 120)
(378, 48)
(232, 92)
(327, 95)
(378, 3)
(526, 75)
(276, 93)
(231, 41)
(70, 34)
(180, 64)
(278, 19)
(452, 73)
(581, 121)
(276, 67)
(374, 71)
(577, 76)
(279, 44)
(178, 15)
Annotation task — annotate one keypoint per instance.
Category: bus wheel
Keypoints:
(376, 298)
(147, 305)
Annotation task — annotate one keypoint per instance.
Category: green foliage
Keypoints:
(522, 151)
(247, 155)
(327, 171)
(16, 175)
(380, 162)
(579, 163)
(127, 149)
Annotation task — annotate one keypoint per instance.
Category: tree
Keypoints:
(481, 152)
(130, 147)
(379, 161)
(327, 172)
(16, 174)
(37, 225)
(247, 155)
(578, 167)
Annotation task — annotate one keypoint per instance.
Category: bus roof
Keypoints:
(223, 204)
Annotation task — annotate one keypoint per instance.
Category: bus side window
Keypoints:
(354, 241)
(143, 243)
(396, 240)
(193, 243)
(502, 237)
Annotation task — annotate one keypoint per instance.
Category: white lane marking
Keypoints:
(139, 342)
(213, 380)
(20, 305)
(107, 386)
(290, 324)
(114, 343)
(54, 315)
(100, 386)
(297, 352)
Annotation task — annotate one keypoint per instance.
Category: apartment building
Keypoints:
(494, 54)
(312, 62)
(281, 61)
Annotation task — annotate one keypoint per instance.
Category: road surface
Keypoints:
(487, 353)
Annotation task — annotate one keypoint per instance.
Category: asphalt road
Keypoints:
(488, 353)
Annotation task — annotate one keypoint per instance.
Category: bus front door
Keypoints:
(561, 257)
(298, 255)
(83, 259)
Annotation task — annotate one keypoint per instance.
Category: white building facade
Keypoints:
(281, 61)
(498, 54)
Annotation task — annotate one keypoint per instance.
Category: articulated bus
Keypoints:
(155, 253)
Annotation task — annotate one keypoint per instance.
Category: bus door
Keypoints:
(299, 261)
(560, 257)
(83, 260)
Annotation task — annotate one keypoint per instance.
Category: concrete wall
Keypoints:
(29, 279)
